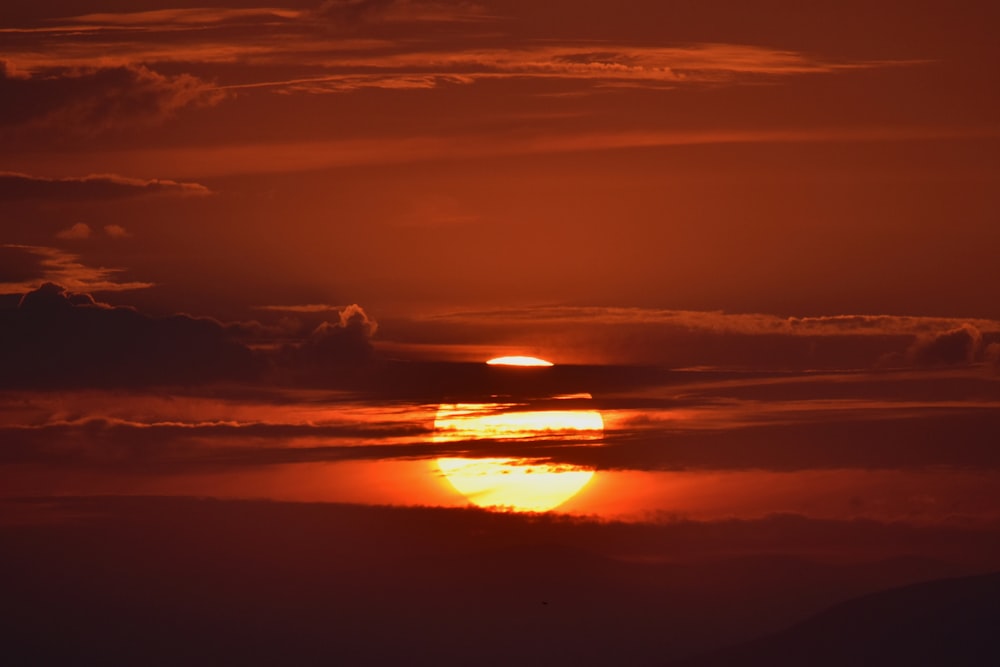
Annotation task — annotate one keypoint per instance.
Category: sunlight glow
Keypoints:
(518, 361)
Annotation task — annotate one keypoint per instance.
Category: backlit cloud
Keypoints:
(332, 345)
(712, 338)
(53, 265)
(720, 322)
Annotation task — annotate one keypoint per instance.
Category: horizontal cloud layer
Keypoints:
(376, 56)
(711, 338)
(57, 338)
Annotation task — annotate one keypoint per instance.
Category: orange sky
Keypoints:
(414, 156)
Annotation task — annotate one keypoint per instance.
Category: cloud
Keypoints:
(59, 338)
(192, 16)
(337, 345)
(80, 230)
(352, 12)
(338, 12)
(301, 156)
(302, 308)
(56, 337)
(65, 268)
(706, 338)
(717, 427)
(961, 345)
(16, 186)
(116, 231)
(716, 321)
(387, 56)
(611, 65)
(91, 99)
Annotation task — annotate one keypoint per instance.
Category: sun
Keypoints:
(518, 361)
(520, 485)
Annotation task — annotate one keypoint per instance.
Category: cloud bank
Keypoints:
(60, 338)
(55, 337)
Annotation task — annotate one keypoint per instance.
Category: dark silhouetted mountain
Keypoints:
(949, 622)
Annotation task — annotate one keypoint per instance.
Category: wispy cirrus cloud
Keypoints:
(290, 156)
(403, 11)
(603, 64)
(721, 322)
(299, 40)
(16, 186)
(94, 96)
(188, 16)
(334, 11)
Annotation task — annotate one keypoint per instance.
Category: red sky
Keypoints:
(246, 249)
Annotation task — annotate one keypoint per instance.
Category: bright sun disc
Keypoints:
(518, 361)
(519, 485)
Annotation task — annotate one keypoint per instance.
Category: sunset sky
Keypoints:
(254, 255)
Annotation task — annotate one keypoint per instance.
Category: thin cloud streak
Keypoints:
(301, 308)
(721, 322)
(299, 40)
(349, 11)
(688, 425)
(828, 444)
(704, 63)
(289, 157)
(195, 16)
(66, 269)
(94, 187)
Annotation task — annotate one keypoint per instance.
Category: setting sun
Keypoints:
(518, 361)
(512, 484)
(520, 485)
